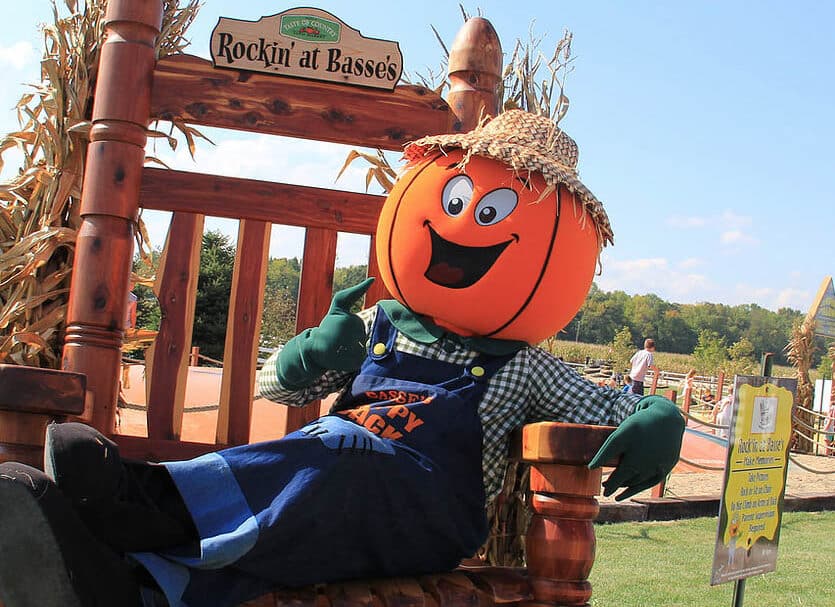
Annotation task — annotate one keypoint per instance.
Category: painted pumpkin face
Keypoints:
(480, 253)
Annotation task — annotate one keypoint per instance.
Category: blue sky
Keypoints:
(706, 128)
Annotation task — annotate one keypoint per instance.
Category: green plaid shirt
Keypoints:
(533, 386)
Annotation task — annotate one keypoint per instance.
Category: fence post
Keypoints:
(658, 490)
(194, 358)
(656, 372)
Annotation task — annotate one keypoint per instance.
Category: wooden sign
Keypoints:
(306, 43)
(823, 309)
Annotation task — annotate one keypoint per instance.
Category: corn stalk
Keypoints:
(40, 205)
(799, 351)
(522, 86)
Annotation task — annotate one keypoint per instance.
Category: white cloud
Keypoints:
(734, 227)
(798, 299)
(691, 262)
(677, 221)
(17, 55)
(745, 293)
(737, 237)
(729, 218)
(270, 158)
(772, 298)
(655, 275)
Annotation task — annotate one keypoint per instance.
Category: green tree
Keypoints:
(349, 276)
(727, 321)
(675, 335)
(278, 322)
(622, 349)
(599, 319)
(214, 285)
(148, 314)
(710, 353)
(825, 367)
(283, 274)
(741, 359)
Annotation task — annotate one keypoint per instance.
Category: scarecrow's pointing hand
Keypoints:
(648, 443)
(337, 344)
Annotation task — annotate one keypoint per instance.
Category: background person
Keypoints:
(641, 361)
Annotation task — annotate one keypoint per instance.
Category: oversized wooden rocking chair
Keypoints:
(132, 90)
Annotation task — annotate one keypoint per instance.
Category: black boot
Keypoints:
(132, 506)
(47, 556)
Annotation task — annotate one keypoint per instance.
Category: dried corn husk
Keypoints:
(39, 206)
(799, 351)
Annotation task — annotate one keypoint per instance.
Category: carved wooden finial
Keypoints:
(475, 67)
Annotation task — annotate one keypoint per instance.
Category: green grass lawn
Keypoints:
(668, 564)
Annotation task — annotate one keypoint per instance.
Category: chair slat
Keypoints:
(398, 592)
(160, 450)
(280, 203)
(349, 594)
(31, 390)
(191, 89)
(452, 588)
(378, 290)
(315, 292)
(240, 353)
(167, 359)
(316, 283)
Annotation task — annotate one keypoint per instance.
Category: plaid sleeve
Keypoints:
(269, 386)
(558, 393)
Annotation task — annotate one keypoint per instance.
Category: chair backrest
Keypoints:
(134, 89)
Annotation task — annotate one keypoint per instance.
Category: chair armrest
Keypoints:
(43, 391)
(558, 443)
(559, 542)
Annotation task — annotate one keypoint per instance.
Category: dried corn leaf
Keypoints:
(39, 206)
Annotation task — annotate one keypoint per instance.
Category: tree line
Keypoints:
(713, 330)
(680, 328)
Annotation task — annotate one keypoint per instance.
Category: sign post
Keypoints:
(751, 507)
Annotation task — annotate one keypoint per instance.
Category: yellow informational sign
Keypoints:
(755, 478)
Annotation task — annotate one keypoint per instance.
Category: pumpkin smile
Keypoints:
(457, 266)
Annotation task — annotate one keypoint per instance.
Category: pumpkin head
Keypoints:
(483, 249)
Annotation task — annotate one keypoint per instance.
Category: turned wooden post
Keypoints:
(110, 204)
(475, 67)
(560, 542)
(720, 386)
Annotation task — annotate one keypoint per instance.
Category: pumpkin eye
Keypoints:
(494, 207)
(458, 192)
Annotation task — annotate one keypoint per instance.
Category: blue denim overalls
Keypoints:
(389, 483)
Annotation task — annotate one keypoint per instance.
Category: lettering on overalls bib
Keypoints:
(387, 420)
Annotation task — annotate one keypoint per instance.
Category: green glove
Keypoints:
(648, 443)
(338, 343)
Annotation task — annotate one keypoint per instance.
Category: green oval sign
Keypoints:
(310, 28)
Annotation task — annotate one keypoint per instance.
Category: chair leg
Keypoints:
(560, 540)
(22, 437)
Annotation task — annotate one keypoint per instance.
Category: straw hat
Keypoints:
(525, 142)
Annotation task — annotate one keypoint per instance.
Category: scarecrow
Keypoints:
(488, 243)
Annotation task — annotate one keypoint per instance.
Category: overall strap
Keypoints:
(485, 366)
(383, 336)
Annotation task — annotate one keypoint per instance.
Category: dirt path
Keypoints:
(799, 482)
